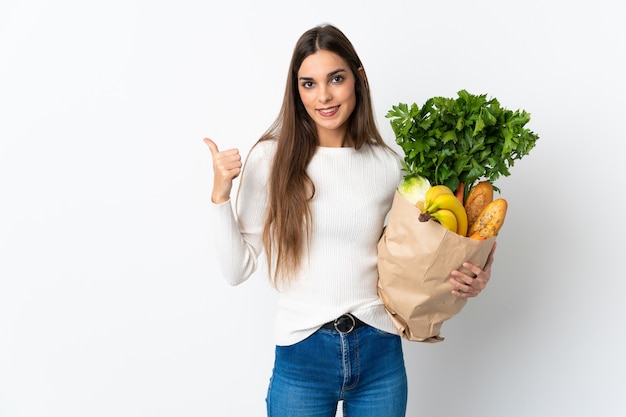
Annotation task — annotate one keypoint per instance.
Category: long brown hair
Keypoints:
(288, 221)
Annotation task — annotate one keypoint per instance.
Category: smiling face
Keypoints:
(327, 90)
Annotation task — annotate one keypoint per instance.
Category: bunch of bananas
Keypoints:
(441, 204)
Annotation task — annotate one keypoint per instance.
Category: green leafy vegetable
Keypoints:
(451, 141)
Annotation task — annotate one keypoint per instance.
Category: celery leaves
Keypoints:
(463, 139)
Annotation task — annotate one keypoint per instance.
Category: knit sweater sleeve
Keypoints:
(237, 229)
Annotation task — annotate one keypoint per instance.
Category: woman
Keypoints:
(314, 195)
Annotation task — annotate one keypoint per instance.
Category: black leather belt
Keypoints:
(344, 324)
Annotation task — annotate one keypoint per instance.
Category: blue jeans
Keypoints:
(364, 368)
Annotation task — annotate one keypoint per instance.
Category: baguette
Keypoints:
(480, 195)
(490, 220)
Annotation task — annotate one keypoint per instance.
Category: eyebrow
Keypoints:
(330, 74)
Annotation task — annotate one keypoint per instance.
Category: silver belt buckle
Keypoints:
(337, 323)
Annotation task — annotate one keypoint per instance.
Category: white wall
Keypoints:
(111, 303)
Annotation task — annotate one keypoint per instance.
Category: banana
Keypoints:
(446, 218)
(450, 202)
(434, 192)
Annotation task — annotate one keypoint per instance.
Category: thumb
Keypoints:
(212, 146)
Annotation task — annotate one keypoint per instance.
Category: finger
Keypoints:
(230, 155)
(212, 146)
(466, 290)
(468, 275)
(461, 281)
(472, 268)
(461, 293)
(464, 294)
(458, 280)
(228, 160)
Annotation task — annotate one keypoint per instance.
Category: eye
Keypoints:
(307, 84)
(337, 79)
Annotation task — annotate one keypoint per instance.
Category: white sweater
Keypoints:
(353, 194)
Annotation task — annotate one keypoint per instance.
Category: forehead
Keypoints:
(321, 63)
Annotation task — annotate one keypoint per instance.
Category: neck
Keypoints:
(334, 139)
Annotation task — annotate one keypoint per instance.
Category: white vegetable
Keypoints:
(414, 188)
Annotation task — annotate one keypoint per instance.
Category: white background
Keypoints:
(111, 302)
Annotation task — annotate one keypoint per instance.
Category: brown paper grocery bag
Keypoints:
(414, 264)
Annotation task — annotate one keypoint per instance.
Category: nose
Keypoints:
(324, 94)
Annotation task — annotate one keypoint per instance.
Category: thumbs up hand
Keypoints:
(226, 167)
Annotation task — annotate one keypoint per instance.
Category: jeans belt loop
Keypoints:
(340, 320)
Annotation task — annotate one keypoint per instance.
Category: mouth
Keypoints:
(328, 111)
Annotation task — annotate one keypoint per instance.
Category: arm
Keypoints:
(237, 238)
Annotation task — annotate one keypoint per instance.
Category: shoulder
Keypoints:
(261, 155)
(383, 152)
(386, 159)
(263, 150)
(258, 163)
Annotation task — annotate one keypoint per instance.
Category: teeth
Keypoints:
(328, 111)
